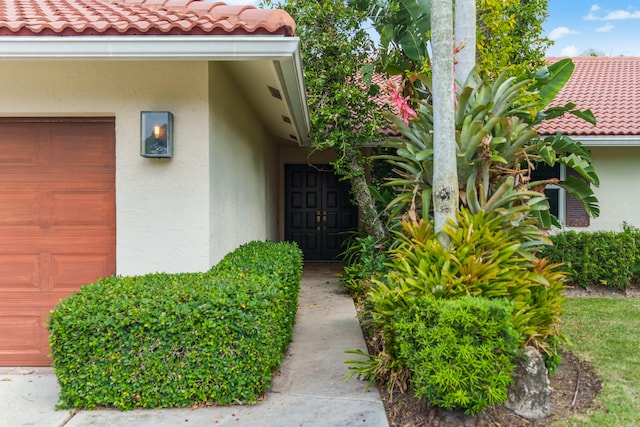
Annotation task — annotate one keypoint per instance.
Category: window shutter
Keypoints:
(576, 213)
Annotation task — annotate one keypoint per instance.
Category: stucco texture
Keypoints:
(243, 177)
(619, 174)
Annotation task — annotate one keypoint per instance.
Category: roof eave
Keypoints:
(284, 51)
(608, 140)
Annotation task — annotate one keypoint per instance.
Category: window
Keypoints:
(554, 193)
(565, 207)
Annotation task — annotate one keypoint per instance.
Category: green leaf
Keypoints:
(586, 115)
(162, 336)
(582, 166)
(583, 192)
(567, 145)
(558, 74)
(548, 154)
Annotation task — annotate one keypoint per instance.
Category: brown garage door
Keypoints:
(57, 223)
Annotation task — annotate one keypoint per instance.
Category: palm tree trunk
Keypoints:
(465, 31)
(445, 174)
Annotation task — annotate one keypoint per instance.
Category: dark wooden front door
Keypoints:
(319, 213)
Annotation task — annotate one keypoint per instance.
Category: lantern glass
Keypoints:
(156, 134)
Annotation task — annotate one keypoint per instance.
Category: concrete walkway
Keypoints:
(309, 391)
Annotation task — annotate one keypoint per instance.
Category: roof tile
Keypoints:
(201, 6)
(146, 17)
(610, 88)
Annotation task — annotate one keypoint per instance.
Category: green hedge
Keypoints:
(173, 340)
(601, 257)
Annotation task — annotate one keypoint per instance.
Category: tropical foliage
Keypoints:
(509, 35)
(363, 259)
(491, 249)
(497, 149)
(488, 257)
(344, 116)
(482, 260)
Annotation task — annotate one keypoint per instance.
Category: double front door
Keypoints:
(319, 213)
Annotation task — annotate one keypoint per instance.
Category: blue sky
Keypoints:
(609, 26)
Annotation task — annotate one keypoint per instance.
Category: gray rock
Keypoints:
(529, 394)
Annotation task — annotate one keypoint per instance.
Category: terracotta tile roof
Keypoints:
(610, 88)
(138, 17)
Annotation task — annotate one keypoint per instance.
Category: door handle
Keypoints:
(324, 218)
(318, 220)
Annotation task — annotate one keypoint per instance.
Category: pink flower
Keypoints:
(404, 110)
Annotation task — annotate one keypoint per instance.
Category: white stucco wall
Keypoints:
(162, 205)
(244, 170)
(619, 172)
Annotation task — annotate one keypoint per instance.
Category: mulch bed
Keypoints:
(575, 386)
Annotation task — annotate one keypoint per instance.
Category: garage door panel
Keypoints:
(82, 209)
(20, 145)
(60, 181)
(19, 208)
(56, 240)
(22, 334)
(19, 272)
(57, 224)
(24, 340)
(96, 149)
(70, 269)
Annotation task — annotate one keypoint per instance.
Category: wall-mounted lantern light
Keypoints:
(156, 134)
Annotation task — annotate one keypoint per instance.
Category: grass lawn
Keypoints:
(606, 333)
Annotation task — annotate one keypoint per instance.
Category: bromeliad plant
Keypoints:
(482, 259)
(497, 148)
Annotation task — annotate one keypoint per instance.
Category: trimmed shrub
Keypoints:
(173, 340)
(634, 233)
(601, 257)
(460, 351)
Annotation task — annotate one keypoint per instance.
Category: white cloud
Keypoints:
(559, 32)
(595, 8)
(569, 51)
(605, 28)
(614, 15)
(622, 14)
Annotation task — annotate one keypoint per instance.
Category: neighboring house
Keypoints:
(78, 201)
(610, 88)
